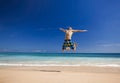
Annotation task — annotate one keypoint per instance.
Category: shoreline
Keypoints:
(64, 65)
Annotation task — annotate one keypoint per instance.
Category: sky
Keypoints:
(33, 25)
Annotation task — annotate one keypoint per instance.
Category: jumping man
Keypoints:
(68, 35)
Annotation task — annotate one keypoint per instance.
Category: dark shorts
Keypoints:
(68, 43)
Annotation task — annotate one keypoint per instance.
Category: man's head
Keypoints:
(69, 28)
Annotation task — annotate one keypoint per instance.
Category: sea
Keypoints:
(59, 59)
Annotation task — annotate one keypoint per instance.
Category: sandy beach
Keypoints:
(49, 74)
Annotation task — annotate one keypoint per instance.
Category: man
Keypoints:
(68, 35)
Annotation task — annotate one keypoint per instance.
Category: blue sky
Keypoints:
(33, 25)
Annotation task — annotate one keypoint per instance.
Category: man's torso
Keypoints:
(68, 34)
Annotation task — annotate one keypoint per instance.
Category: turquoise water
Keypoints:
(60, 59)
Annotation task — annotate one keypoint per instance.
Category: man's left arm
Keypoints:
(79, 30)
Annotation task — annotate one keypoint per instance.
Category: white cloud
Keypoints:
(102, 48)
(109, 45)
(37, 50)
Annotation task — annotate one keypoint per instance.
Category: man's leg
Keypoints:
(63, 49)
(75, 45)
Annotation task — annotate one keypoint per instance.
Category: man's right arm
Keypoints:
(62, 29)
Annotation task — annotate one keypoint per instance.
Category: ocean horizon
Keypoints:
(59, 59)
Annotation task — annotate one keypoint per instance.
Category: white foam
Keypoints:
(29, 65)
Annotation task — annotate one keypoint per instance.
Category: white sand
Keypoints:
(59, 75)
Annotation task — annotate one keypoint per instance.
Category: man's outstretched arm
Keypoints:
(62, 29)
(79, 30)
